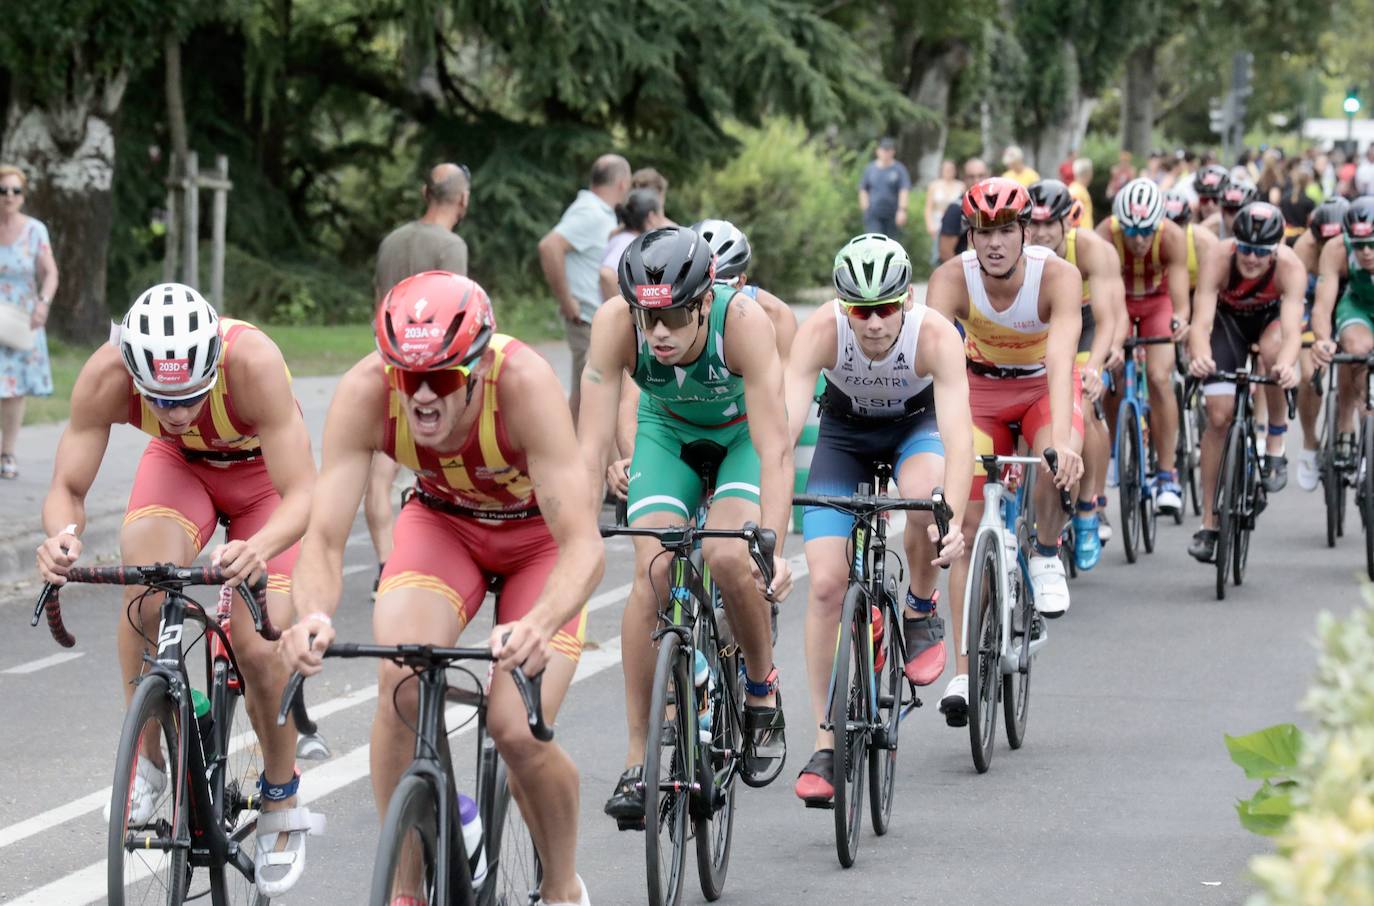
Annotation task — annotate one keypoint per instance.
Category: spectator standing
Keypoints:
(941, 191)
(884, 190)
(649, 178)
(1325, 181)
(28, 282)
(953, 232)
(1066, 166)
(641, 212)
(1014, 159)
(1295, 203)
(427, 244)
(1364, 174)
(570, 255)
(1082, 178)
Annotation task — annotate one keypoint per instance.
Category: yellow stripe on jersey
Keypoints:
(166, 512)
(1071, 256)
(516, 483)
(424, 582)
(1192, 259)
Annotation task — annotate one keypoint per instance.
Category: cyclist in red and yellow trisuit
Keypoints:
(1018, 306)
(229, 445)
(484, 423)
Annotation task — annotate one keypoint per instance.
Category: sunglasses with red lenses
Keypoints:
(441, 383)
(881, 309)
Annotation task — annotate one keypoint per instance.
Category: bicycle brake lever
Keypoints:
(288, 696)
(531, 692)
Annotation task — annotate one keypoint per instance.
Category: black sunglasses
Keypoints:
(11, 190)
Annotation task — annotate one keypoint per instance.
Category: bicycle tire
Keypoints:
(514, 871)
(130, 865)
(1365, 475)
(1128, 477)
(1149, 515)
(849, 721)
(1333, 489)
(1248, 493)
(882, 758)
(1183, 460)
(232, 782)
(1198, 413)
(1016, 686)
(666, 811)
(985, 649)
(714, 824)
(412, 825)
(1226, 504)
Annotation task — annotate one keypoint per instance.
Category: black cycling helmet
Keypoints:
(1050, 201)
(730, 246)
(1177, 207)
(1258, 223)
(1211, 181)
(667, 268)
(1238, 193)
(1327, 219)
(1359, 218)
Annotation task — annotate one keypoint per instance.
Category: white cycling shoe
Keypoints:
(1051, 588)
(276, 872)
(584, 901)
(1309, 476)
(150, 782)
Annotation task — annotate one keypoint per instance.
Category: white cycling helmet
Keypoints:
(170, 342)
(728, 244)
(1139, 205)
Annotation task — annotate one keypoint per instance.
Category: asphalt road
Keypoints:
(1123, 792)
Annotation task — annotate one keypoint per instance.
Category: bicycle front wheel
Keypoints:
(1016, 685)
(714, 826)
(882, 754)
(408, 862)
(1128, 476)
(984, 641)
(1183, 451)
(147, 863)
(1228, 502)
(667, 776)
(233, 786)
(1365, 474)
(849, 719)
(514, 872)
(1248, 494)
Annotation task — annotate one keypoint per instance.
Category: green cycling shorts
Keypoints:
(660, 482)
(1350, 311)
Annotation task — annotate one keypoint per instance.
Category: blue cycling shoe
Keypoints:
(1087, 548)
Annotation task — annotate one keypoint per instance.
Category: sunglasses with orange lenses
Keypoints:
(442, 382)
(866, 311)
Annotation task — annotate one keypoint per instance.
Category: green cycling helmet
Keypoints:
(871, 268)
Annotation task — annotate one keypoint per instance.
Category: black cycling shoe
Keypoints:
(626, 804)
(1274, 471)
(765, 739)
(1204, 546)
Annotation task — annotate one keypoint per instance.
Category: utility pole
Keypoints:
(1351, 106)
(1242, 73)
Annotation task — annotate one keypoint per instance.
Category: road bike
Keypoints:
(1003, 631)
(868, 697)
(200, 835)
(1192, 422)
(1339, 469)
(1137, 465)
(695, 743)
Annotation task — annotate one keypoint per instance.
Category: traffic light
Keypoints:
(1351, 105)
(1218, 116)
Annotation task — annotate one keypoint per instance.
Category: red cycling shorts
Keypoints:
(1154, 314)
(453, 557)
(996, 402)
(196, 494)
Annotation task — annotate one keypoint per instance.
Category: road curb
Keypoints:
(99, 542)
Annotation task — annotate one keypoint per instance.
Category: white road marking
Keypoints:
(51, 660)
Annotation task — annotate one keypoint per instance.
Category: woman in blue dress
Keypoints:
(28, 280)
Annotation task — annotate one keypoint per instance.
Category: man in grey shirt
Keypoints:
(570, 255)
(883, 192)
(427, 244)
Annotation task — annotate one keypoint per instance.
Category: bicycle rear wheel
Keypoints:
(667, 775)
(1183, 452)
(1365, 476)
(849, 720)
(513, 869)
(984, 649)
(233, 785)
(714, 823)
(408, 861)
(1128, 476)
(882, 752)
(144, 864)
(1149, 516)
(1016, 685)
(1227, 503)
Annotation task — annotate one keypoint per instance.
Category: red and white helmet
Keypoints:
(432, 321)
(170, 342)
(1139, 205)
(996, 202)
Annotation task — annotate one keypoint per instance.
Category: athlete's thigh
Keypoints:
(1038, 416)
(1270, 340)
(169, 509)
(837, 469)
(431, 563)
(527, 554)
(920, 458)
(245, 496)
(659, 480)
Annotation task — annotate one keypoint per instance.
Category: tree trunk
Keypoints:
(1066, 129)
(176, 105)
(67, 150)
(1137, 100)
(929, 80)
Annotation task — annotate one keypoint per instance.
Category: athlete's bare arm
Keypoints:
(751, 353)
(783, 320)
(1331, 267)
(946, 291)
(610, 354)
(1101, 267)
(100, 399)
(1174, 250)
(1292, 284)
(1212, 272)
(258, 381)
(941, 349)
(1307, 251)
(1061, 292)
(538, 423)
(1212, 224)
(353, 431)
(813, 350)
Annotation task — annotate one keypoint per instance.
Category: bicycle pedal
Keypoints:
(629, 824)
(820, 803)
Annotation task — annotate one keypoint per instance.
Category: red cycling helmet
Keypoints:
(432, 321)
(996, 202)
